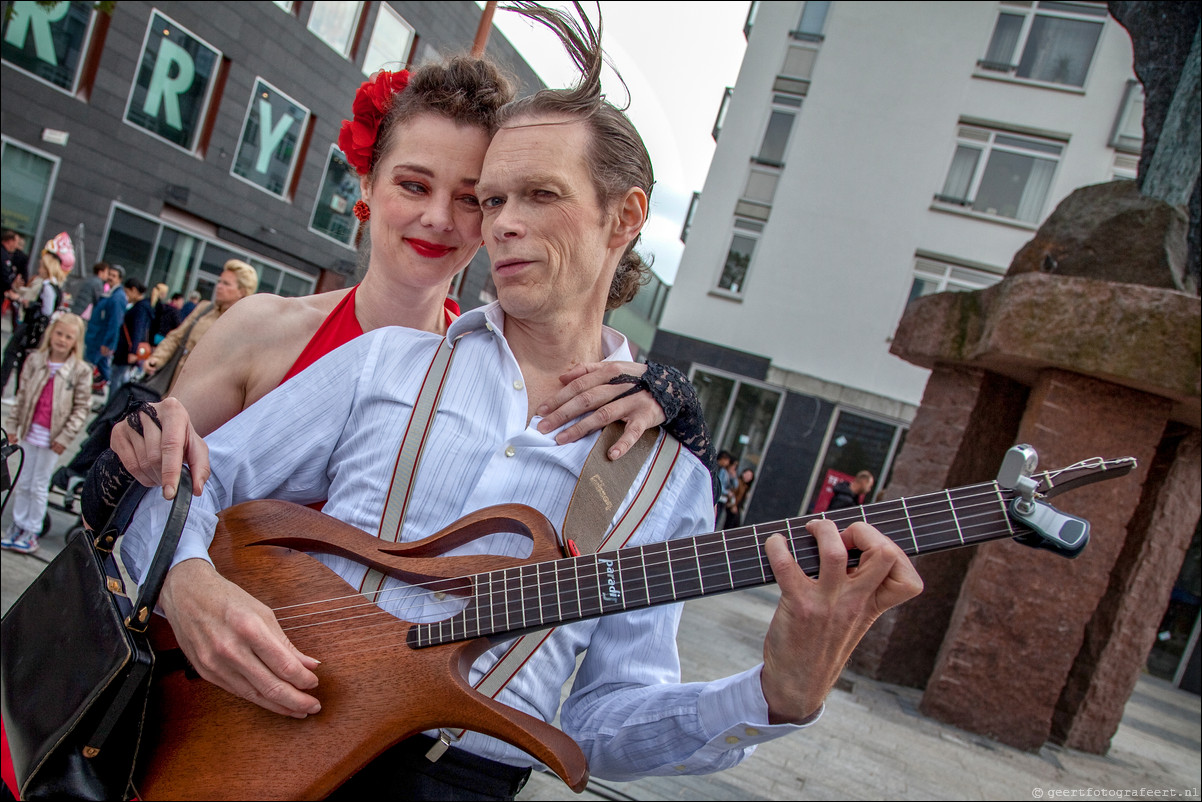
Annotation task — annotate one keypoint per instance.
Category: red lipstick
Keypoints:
(430, 250)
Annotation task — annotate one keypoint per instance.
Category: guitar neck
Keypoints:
(547, 594)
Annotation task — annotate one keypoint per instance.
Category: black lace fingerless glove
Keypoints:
(674, 393)
(104, 486)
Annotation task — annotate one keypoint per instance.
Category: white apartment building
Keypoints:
(869, 153)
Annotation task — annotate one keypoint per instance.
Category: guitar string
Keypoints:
(848, 516)
(733, 544)
(808, 550)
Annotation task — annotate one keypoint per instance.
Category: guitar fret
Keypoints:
(700, 573)
(955, 518)
(634, 579)
(713, 563)
(1002, 503)
(686, 574)
(558, 596)
(646, 577)
(909, 524)
(730, 574)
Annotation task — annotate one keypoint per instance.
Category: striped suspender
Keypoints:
(409, 457)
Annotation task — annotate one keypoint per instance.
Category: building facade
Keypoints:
(871, 153)
(170, 137)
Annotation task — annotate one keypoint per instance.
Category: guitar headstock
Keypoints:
(1050, 528)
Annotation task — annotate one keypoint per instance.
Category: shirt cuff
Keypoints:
(734, 714)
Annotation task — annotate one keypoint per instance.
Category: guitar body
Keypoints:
(204, 743)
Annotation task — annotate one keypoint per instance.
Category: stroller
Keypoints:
(66, 484)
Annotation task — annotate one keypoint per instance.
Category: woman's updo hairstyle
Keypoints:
(465, 89)
(617, 158)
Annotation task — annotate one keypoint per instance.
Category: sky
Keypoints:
(676, 58)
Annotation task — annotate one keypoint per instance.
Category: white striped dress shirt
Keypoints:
(333, 433)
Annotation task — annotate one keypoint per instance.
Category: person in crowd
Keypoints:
(853, 493)
(104, 328)
(564, 192)
(735, 505)
(52, 406)
(166, 312)
(41, 298)
(187, 307)
(135, 332)
(727, 481)
(87, 290)
(238, 281)
(13, 264)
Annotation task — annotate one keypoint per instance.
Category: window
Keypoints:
(813, 20)
(1050, 42)
(688, 218)
(174, 81)
(854, 443)
(1125, 167)
(335, 23)
(287, 5)
(780, 126)
(48, 43)
(1128, 135)
(757, 197)
(934, 275)
(738, 258)
(271, 133)
(721, 118)
(158, 252)
(1001, 174)
(25, 192)
(391, 42)
(333, 213)
(741, 414)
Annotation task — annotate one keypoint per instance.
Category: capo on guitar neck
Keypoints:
(1051, 529)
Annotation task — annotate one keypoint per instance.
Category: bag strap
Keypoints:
(156, 574)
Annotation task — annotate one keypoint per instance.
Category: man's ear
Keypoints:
(631, 214)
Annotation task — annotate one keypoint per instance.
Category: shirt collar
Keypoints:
(492, 317)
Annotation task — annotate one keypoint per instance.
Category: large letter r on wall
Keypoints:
(164, 91)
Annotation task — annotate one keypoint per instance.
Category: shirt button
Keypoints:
(731, 739)
(751, 732)
(517, 385)
(681, 767)
(488, 326)
(510, 451)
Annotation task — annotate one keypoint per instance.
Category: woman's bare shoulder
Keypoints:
(259, 320)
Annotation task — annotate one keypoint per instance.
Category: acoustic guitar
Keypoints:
(384, 679)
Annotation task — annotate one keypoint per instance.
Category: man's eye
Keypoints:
(492, 203)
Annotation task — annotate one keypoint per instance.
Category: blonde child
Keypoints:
(52, 405)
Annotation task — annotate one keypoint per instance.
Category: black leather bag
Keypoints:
(76, 665)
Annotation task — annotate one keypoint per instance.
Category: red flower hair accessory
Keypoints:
(357, 139)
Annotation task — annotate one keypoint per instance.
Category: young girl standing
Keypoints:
(52, 405)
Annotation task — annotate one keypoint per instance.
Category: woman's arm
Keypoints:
(660, 395)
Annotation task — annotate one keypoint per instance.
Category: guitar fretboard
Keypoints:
(550, 593)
